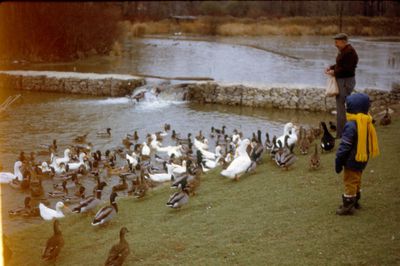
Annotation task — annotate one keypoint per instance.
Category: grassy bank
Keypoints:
(291, 26)
(270, 217)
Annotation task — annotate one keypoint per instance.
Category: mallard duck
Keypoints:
(49, 214)
(26, 211)
(386, 119)
(90, 202)
(54, 244)
(142, 187)
(59, 193)
(327, 140)
(52, 147)
(134, 136)
(81, 138)
(268, 143)
(304, 143)
(77, 197)
(240, 164)
(200, 136)
(122, 185)
(36, 188)
(106, 134)
(178, 199)
(120, 251)
(256, 152)
(218, 131)
(285, 157)
(6, 177)
(184, 140)
(106, 213)
(315, 159)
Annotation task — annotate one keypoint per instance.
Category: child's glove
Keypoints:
(338, 168)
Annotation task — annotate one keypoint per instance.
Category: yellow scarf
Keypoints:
(364, 127)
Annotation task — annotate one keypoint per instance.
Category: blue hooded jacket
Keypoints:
(346, 153)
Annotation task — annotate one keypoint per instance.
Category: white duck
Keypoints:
(179, 169)
(57, 161)
(145, 149)
(75, 166)
(133, 160)
(154, 144)
(49, 214)
(44, 167)
(176, 150)
(6, 177)
(201, 144)
(162, 177)
(240, 164)
(210, 155)
(288, 130)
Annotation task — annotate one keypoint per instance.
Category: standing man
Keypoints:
(344, 72)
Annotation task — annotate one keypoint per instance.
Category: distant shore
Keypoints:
(289, 26)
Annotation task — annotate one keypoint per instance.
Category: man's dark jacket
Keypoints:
(346, 62)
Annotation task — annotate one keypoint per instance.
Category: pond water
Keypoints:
(284, 60)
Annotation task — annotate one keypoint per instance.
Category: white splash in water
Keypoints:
(109, 101)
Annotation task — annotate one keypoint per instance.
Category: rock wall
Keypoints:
(312, 99)
(70, 82)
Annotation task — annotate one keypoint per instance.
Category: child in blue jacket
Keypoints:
(359, 142)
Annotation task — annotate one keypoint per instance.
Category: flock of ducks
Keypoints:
(145, 164)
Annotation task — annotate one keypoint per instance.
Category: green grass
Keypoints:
(270, 217)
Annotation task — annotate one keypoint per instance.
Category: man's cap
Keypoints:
(341, 36)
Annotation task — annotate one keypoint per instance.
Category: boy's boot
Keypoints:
(347, 207)
(357, 204)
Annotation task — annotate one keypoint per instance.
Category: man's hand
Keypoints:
(329, 71)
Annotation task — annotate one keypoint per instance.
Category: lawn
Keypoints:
(270, 217)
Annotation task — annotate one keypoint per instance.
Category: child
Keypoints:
(359, 142)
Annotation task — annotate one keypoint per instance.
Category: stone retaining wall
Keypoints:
(312, 99)
(309, 98)
(70, 82)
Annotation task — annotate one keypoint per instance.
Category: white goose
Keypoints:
(178, 169)
(176, 150)
(162, 177)
(75, 166)
(145, 149)
(6, 177)
(154, 144)
(201, 144)
(49, 214)
(288, 130)
(44, 167)
(240, 164)
(57, 161)
(210, 155)
(133, 160)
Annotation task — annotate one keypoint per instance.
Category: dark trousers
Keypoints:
(346, 86)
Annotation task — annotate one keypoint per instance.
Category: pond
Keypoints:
(269, 60)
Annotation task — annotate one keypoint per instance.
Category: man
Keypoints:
(344, 72)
